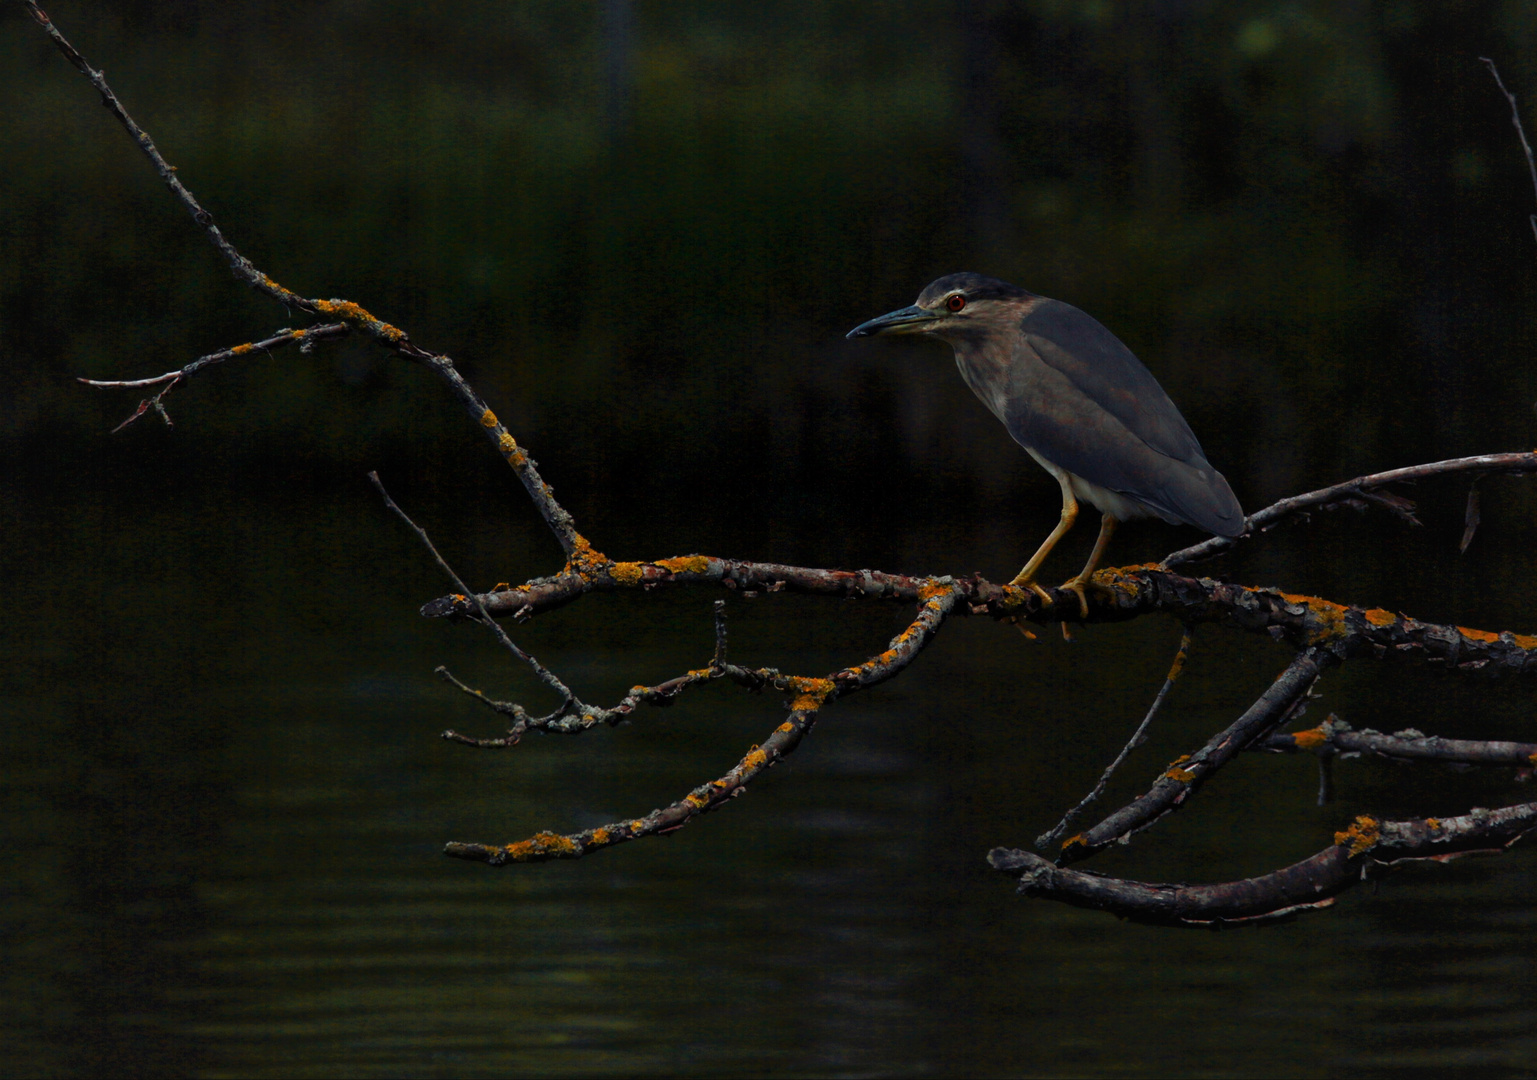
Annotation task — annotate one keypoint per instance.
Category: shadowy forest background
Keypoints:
(641, 230)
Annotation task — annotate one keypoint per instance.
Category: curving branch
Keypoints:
(1366, 849)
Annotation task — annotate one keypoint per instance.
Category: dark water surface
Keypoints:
(225, 797)
(642, 234)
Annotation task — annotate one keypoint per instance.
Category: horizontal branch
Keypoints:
(1334, 736)
(1368, 848)
(1125, 593)
(1363, 489)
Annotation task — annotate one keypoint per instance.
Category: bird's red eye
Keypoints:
(956, 302)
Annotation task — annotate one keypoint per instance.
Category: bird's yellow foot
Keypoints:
(1079, 586)
(1023, 582)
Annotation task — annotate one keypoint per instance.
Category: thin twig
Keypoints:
(1046, 839)
(544, 674)
(1515, 118)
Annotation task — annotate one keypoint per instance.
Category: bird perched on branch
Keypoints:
(1080, 403)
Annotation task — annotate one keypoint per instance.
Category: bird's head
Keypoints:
(950, 308)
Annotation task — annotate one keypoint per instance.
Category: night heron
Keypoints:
(1080, 403)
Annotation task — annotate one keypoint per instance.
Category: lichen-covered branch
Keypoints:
(1185, 775)
(1367, 848)
(352, 315)
(1334, 736)
(808, 696)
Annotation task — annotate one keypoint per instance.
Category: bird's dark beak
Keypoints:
(908, 320)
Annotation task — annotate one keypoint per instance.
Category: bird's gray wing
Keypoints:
(1084, 402)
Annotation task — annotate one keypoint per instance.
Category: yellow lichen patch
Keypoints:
(1532, 758)
(687, 564)
(1326, 619)
(931, 589)
(698, 799)
(1379, 616)
(1184, 776)
(1433, 822)
(601, 836)
(355, 313)
(585, 559)
(637, 825)
(626, 573)
(1524, 641)
(755, 759)
(488, 419)
(810, 693)
(1477, 635)
(1076, 838)
(241, 350)
(516, 459)
(785, 727)
(1362, 835)
(545, 843)
(1306, 740)
(507, 443)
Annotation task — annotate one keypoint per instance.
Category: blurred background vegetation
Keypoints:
(641, 230)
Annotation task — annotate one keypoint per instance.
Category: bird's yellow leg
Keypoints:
(1025, 579)
(1106, 527)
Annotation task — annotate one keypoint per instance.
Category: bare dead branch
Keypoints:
(1367, 848)
(1335, 736)
(1323, 632)
(577, 550)
(172, 379)
(1187, 773)
(1361, 489)
(810, 696)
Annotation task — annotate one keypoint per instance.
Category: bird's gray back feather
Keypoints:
(1080, 398)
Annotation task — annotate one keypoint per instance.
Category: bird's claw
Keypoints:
(1079, 586)
(1022, 582)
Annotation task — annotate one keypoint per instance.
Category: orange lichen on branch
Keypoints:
(585, 559)
(1174, 772)
(1307, 740)
(932, 589)
(356, 313)
(626, 573)
(1076, 838)
(601, 836)
(756, 758)
(810, 694)
(488, 419)
(506, 443)
(540, 845)
(1326, 619)
(1362, 835)
(1379, 617)
(686, 564)
(241, 350)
